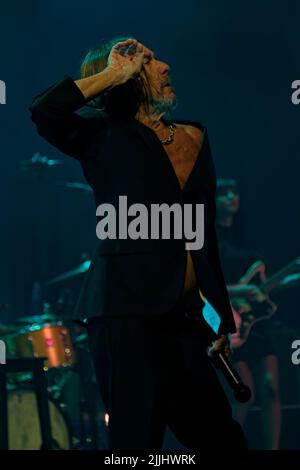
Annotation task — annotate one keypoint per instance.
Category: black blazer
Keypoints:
(125, 157)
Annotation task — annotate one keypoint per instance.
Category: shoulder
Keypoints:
(189, 123)
(195, 129)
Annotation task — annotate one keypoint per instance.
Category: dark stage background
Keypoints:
(232, 65)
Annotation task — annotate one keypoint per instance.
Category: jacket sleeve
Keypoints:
(54, 113)
(227, 320)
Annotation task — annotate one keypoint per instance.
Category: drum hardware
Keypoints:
(57, 379)
(35, 366)
(65, 304)
(37, 319)
(39, 162)
(75, 390)
(80, 339)
(71, 383)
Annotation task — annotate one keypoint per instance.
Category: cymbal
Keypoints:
(46, 317)
(84, 188)
(82, 268)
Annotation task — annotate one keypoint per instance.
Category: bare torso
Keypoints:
(183, 152)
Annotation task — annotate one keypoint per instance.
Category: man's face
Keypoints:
(157, 74)
(228, 201)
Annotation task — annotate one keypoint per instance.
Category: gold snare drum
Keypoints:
(49, 340)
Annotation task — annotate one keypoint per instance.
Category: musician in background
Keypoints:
(255, 360)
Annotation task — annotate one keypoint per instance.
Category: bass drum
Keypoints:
(24, 425)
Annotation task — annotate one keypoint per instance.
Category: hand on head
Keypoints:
(126, 59)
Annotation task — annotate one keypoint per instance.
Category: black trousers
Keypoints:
(153, 372)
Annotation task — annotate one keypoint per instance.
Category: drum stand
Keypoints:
(87, 405)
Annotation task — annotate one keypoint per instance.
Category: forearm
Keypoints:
(98, 83)
(54, 111)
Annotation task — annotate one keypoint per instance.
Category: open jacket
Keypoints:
(124, 157)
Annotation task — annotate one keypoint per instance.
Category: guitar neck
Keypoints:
(276, 278)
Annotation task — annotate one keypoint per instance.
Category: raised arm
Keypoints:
(124, 62)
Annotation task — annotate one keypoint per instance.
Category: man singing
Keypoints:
(140, 298)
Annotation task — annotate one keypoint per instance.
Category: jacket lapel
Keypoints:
(157, 152)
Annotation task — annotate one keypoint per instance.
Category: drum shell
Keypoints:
(51, 341)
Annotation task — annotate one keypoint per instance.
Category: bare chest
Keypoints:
(184, 150)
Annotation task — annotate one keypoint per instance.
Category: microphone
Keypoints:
(241, 391)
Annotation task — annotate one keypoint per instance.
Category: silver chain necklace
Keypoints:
(170, 137)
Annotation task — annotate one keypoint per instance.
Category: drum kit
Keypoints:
(77, 415)
(76, 410)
